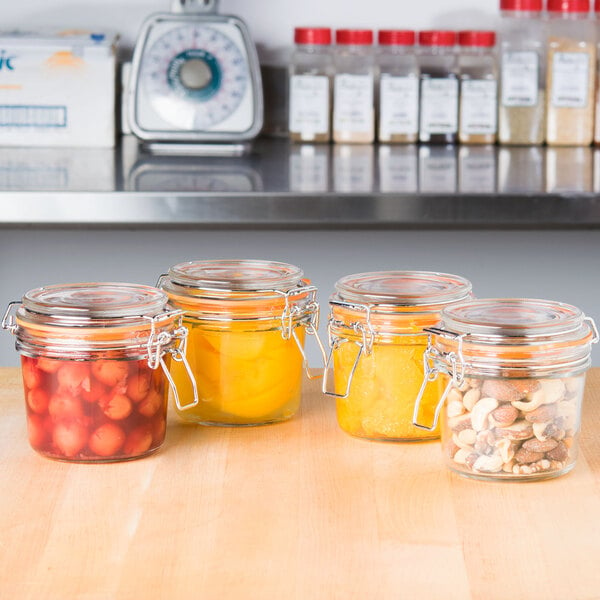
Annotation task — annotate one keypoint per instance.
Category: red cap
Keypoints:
(398, 37)
(312, 35)
(524, 5)
(360, 37)
(485, 39)
(437, 38)
(569, 6)
(597, 6)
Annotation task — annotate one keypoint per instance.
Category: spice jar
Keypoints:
(398, 87)
(439, 87)
(311, 69)
(247, 321)
(597, 118)
(90, 358)
(522, 73)
(377, 339)
(516, 374)
(353, 94)
(478, 121)
(571, 74)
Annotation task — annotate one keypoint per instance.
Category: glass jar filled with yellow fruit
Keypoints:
(247, 322)
(377, 338)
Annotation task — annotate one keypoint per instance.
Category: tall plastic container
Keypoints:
(522, 45)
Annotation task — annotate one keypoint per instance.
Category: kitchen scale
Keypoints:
(195, 85)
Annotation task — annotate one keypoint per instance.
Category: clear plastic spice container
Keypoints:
(311, 69)
(571, 74)
(515, 371)
(247, 321)
(522, 42)
(398, 87)
(91, 354)
(377, 339)
(353, 94)
(478, 122)
(439, 87)
(597, 118)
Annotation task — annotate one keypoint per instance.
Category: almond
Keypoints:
(503, 391)
(535, 445)
(543, 414)
(519, 430)
(525, 386)
(505, 415)
(525, 456)
(560, 452)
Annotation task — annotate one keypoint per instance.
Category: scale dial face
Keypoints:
(195, 77)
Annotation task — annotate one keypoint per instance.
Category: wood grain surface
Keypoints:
(294, 510)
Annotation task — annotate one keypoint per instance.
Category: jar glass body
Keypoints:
(398, 94)
(515, 372)
(478, 107)
(377, 336)
(571, 77)
(439, 93)
(310, 91)
(353, 94)
(381, 397)
(522, 105)
(246, 372)
(513, 428)
(93, 383)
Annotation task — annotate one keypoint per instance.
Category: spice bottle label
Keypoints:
(570, 79)
(399, 106)
(309, 104)
(439, 106)
(520, 74)
(353, 103)
(478, 107)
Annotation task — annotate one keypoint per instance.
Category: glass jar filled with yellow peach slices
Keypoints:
(94, 359)
(514, 374)
(247, 321)
(377, 339)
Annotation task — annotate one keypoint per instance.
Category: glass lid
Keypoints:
(95, 300)
(513, 317)
(236, 275)
(403, 288)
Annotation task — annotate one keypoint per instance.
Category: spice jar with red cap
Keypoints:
(522, 44)
(571, 77)
(398, 87)
(311, 70)
(353, 94)
(439, 87)
(478, 121)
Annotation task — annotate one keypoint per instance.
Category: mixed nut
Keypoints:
(512, 427)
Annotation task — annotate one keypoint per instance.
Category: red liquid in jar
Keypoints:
(94, 411)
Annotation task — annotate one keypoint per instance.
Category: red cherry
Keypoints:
(110, 372)
(107, 440)
(70, 437)
(38, 400)
(138, 441)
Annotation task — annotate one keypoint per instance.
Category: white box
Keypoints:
(57, 89)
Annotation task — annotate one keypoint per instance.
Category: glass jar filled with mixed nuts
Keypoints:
(377, 339)
(90, 358)
(515, 371)
(247, 321)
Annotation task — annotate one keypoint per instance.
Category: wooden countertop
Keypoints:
(295, 510)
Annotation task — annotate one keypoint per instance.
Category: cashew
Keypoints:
(573, 384)
(471, 398)
(461, 456)
(481, 412)
(488, 464)
(536, 399)
(554, 390)
(466, 437)
(508, 466)
(506, 449)
(459, 423)
(455, 408)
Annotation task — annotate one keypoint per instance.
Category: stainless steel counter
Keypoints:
(278, 185)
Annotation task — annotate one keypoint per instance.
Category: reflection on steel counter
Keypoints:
(309, 168)
(521, 169)
(398, 168)
(477, 169)
(438, 169)
(57, 169)
(353, 168)
(569, 169)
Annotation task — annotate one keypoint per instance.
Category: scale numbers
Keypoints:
(195, 76)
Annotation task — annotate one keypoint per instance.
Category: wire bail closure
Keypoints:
(287, 322)
(431, 372)
(156, 353)
(365, 345)
(9, 321)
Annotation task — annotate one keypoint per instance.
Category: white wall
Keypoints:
(271, 21)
